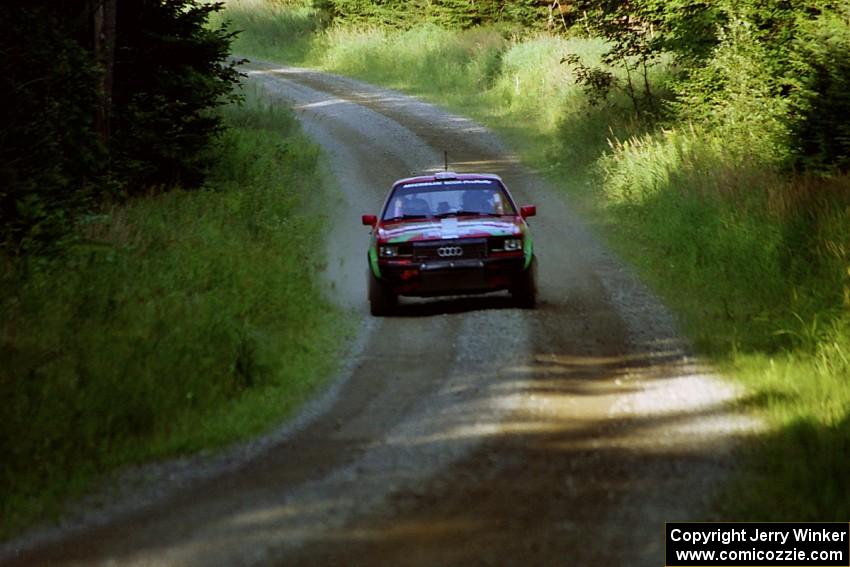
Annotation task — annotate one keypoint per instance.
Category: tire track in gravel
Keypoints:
(466, 432)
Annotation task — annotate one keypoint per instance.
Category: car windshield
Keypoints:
(455, 197)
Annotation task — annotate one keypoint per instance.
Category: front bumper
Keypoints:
(450, 277)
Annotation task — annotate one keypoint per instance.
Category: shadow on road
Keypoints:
(415, 307)
(594, 452)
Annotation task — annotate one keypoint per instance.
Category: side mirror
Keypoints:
(527, 211)
(369, 220)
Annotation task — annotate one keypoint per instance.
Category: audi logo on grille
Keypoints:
(449, 251)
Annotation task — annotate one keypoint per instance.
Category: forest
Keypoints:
(146, 310)
(142, 193)
(103, 104)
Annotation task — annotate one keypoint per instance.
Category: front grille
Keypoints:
(471, 249)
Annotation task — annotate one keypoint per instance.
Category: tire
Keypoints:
(524, 291)
(382, 301)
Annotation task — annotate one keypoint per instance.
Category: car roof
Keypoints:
(447, 175)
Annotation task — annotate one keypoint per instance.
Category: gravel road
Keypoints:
(462, 431)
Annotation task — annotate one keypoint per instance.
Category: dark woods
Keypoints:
(102, 100)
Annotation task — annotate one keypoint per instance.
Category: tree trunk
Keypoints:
(104, 51)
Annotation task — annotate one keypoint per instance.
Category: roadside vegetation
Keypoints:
(712, 144)
(158, 285)
(174, 323)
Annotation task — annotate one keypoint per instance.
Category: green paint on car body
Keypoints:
(405, 238)
(527, 248)
(373, 262)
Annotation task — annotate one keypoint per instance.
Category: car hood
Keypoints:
(448, 228)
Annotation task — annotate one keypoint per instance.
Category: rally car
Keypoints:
(450, 234)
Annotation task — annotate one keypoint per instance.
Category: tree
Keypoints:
(103, 101)
(631, 30)
(50, 154)
(104, 12)
(171, 73)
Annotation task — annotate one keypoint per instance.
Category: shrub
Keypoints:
(736, 95)
(822, 125)
(173, 323)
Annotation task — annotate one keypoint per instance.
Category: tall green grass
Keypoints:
(518, 84)
(277, 30)
(758, 265)
(754, 261)
(173, 323)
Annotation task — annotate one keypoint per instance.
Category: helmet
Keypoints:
(478, 200)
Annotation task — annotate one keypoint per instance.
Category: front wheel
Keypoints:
(524, 290)
(382, 300)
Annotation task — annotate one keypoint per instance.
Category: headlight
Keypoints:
(388, 251)
(513, 244)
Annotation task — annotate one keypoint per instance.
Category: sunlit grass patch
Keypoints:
(281, 30)
(756, 263)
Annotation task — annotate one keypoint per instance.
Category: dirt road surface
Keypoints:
(463, 431)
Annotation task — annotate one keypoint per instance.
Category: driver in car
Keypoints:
(484, 201)
(410, 205)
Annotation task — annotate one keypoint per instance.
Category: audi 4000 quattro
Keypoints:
(450, 234)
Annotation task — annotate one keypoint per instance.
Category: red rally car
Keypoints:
(450, 234)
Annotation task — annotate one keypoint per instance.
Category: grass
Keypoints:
(173, 323)
(280, 30)
(484, 73)
(755, 263)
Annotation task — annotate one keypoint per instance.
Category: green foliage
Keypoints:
(757, 265)
(798, 470)
(822, 102)
(774, 83)
(175, 323)
(50, 155)
(754, 261)
(519, 84)
(426, 55)
(686, 28)
(596, 81)
(171, 72)
(632, 46)
(451, 14)
(271, 30)
(772, 71)
(736, 95)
